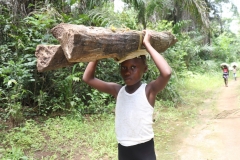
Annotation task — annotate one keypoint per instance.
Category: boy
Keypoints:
(135, 102)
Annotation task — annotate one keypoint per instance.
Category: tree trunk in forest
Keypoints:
(84, 44)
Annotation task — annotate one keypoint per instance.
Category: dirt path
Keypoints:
(218, 136)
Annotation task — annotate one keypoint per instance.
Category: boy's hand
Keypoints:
(147, 37)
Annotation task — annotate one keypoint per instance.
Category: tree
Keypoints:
(175, 11)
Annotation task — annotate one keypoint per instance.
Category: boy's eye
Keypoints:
(133, 67)
(123, 68)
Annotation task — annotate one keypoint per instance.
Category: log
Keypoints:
(50, 57)
(92, 43)
(79, 43)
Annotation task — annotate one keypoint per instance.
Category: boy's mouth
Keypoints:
(127, 79)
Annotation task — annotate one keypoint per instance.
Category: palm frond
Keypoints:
(200, 9)
(103, 17)
(207, 48)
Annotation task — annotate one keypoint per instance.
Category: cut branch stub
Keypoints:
(81, 43)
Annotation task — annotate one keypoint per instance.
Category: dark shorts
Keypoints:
(225, 75)
(143, 151)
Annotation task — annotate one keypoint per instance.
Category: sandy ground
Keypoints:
(218, 136)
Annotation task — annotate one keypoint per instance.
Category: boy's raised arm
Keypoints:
(162, 65)
(90, 79)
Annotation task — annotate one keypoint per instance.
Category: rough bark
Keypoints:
(80, 42)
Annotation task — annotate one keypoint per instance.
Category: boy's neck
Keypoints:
(132, 88)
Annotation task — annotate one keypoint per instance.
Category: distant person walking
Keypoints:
(235, 72)
(225, 74)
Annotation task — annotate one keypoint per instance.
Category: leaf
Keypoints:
(11, 81)
(29, 48)
(76, 79)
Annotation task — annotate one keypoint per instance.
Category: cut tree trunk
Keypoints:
(84, 44)
(80, 42)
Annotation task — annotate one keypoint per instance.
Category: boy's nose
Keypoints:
(127, 71)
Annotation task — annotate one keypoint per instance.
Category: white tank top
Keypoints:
(133, 120)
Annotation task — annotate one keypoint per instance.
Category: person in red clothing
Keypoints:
(225, 74)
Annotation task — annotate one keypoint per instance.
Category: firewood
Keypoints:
(81, 42)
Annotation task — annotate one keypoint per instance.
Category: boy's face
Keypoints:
(132, 70)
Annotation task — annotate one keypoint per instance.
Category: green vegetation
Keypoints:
(93, 137)
(54, 115)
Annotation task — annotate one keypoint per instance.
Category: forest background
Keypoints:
(28, 97)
